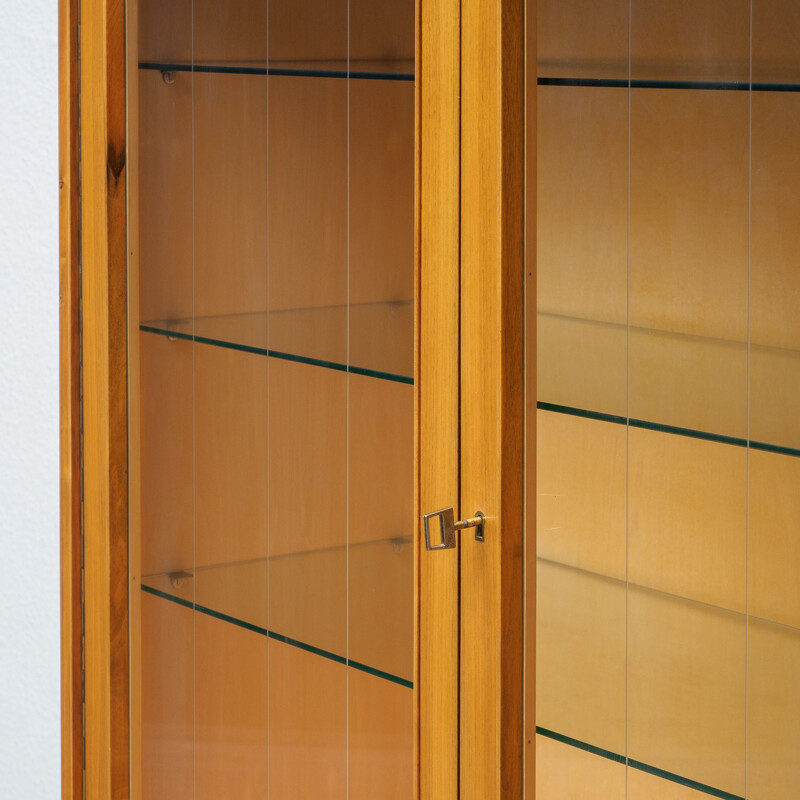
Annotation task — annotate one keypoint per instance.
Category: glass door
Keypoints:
(271, 399)
(667, 462)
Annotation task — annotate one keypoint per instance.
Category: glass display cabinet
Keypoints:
(430, 378)
(668, 499)
(271, 348)
(265, 283)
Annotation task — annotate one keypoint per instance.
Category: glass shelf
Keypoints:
(389, 70)
(582, 611)
(583, 362)
(404, 71)
(309, 613)
(657, 426)
(638, 83)
(671, 74)
(581, 573)
(380, 336)
(632, 763)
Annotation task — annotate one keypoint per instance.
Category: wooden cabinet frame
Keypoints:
(94, 399)
(70, 422)
(469, 398)
(470, 395)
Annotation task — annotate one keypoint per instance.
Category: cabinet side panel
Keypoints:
(104, 354)
(69, 277)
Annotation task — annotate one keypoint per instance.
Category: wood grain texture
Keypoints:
(531, 416)
(581, 668)
(492, 403)
(167, 701)
(686, 684)
(307, 725)
(687, 503)
(437, 394)
(566, 773)
(133, 162)
(581, 493)
(379, 724)
(70, 444)
(773, 717)
(104, 352)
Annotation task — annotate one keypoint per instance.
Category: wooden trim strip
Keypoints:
(69, 388)
(492, 408)
(531, 96)
(436, 378)
(104, 380)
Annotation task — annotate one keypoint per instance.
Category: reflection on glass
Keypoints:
(272, 409)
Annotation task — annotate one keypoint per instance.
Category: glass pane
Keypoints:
(271, 227)
(667, 377)
(163, 468)
(688, 301)
(380, 404)
(581, 392)
(773, 702)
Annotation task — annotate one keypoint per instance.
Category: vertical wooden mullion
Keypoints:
(437, 391)
(134, 402)
(69, 382)
(104, 399)
(492, 407)
(530, 399)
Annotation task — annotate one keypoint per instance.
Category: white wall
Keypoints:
(29, 601)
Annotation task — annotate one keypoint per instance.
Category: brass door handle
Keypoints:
(448, 525)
